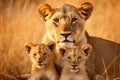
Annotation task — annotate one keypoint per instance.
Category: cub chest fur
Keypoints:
(44, 73)
(80, 75)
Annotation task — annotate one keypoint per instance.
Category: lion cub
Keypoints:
(74, 62)
(42, 65)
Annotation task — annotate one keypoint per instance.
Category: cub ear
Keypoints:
(62, 51)
(51, 45)
(87, 48)
(44, 11)
(28, 46)
(85, 10)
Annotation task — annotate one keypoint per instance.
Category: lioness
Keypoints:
(65, 26)
(74, 60)
(43, 67)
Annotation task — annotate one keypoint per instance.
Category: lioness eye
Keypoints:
(74, 19)
(56, 20)
(79, 57)
(44, 54)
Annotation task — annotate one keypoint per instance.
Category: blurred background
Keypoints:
(20, 22)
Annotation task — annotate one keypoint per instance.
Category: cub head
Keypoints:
(75, 57)
(65, 24)
(40, 54)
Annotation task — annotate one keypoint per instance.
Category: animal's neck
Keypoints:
(82, 41)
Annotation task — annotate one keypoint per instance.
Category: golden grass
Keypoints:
(20, 22)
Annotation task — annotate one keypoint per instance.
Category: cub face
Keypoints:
(75, 57)
(65, 24)
(40, 54)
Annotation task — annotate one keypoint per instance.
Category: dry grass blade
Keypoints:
(7, 75)
(105, 71)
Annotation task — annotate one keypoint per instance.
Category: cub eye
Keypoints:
(69, 57)
(56, 20)
(79, 57)
(35, 54)
(44, 54)
(74, 19)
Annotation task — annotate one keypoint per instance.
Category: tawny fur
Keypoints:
(70, 21)
(74, 62)
(43, 66)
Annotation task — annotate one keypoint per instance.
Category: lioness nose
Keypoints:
(65, 34)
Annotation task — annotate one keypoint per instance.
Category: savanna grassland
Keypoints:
(20, 22)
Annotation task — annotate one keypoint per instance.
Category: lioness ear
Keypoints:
(44, 11)
(85, 10)
(51, 46)
(28, 46)
(87, 48)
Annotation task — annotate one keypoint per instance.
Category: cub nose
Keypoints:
(65, 34)
(74, 66)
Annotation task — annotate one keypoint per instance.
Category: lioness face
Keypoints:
(75, 57)
(65, 24)
(40, 54)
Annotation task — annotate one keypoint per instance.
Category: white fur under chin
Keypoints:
(66, 44)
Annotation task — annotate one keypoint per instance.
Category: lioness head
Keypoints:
(40, 54)
(65, 24)
(75, 57)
